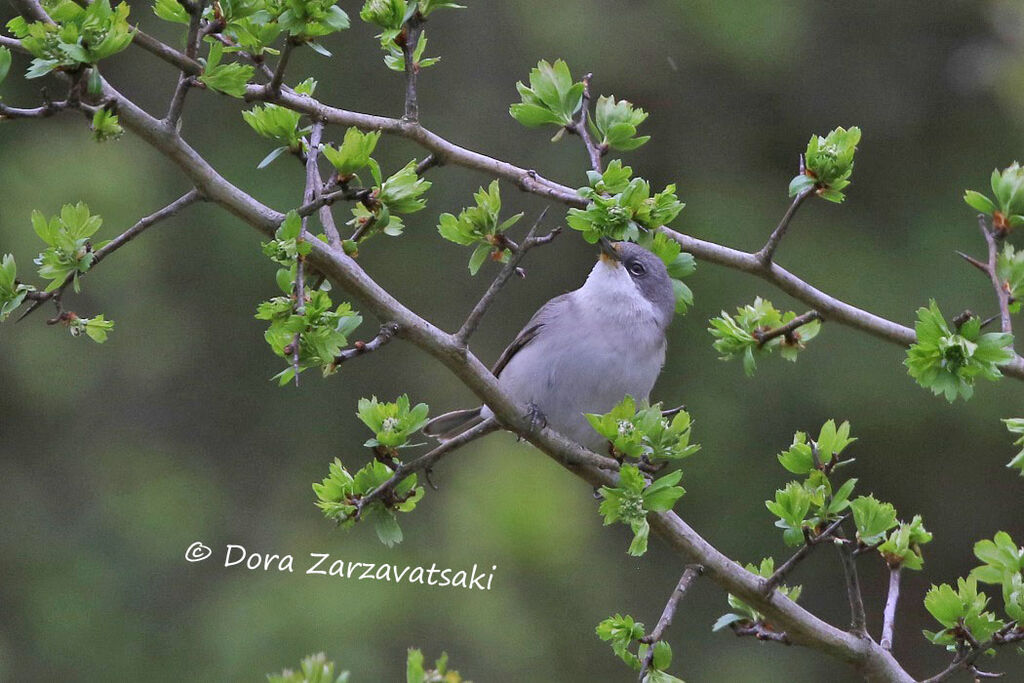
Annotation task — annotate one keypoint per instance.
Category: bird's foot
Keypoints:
(535, 418)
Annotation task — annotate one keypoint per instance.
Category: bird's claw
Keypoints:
(535, 419)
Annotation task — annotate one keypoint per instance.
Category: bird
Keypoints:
(584, 351)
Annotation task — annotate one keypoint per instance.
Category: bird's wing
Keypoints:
(530, 332)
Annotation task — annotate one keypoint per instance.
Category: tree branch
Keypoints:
(689, 576)
(190, 197)
(765, 253)
(410, 39)
(779, 575)
(477, 314)
(858, 621)
(191, 50)
(282, 63)
(1002, 294)
(425, 462)
(386, 334)
(594, 151)
(889, 616)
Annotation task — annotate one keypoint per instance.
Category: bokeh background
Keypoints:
(114, 458)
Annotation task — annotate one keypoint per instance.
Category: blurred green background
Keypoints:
(114, 458)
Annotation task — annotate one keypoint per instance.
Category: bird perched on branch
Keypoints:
(583, 351)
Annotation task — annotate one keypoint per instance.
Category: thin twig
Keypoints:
(594, 151)
(689, 576)
(185, 80)
(313, 181)
(891, 600)
(760, 631)
(428, 162)
(360, 348)
(410, 39)
(1002, 294)
(190, 197)
(426, 462)
(787, 330)
(779, 575)
(764, 254)
(474, 317)
(282, 63)
(858, 621)
(12, 44)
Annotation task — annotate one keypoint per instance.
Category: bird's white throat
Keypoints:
(610, 290)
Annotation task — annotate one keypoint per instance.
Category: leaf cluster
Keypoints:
(401, 193)
(96, 328)
(1007, 211)
(633, 499)
(552, 97)
(480, 225)
(416, 671)
(641, 431)
(229, 78)
(80, 36)
(392, 423)
(961, 612)
(105, 125)
(323, 331)
(828, 164)
(948, 362)
(1010, 271)
(339, 493)
(281, 124)
(740, 335)
(70, 249)
(623, 633)
(614, 124)
(354, 154)
(622, 206)
(313, 669)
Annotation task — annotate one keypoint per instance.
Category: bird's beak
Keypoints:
(608, 250)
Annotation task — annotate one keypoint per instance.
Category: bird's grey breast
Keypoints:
(581, 360)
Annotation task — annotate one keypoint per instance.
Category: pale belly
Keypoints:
(589, 377)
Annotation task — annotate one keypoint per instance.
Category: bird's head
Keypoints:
(627, 270)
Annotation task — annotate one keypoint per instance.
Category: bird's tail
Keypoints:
(450, 425)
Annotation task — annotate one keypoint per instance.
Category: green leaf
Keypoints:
(828, 164)
(552, 97)
(614, 124)
(230, 78)
(1016, 426)
(354, 154)
(739, 336)
(5, 63)
(12, 292)
(948, 362)
(872, 518)
(105, 126)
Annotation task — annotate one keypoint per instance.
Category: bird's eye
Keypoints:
(637, 268)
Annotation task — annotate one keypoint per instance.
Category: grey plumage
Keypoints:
(583, 351)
